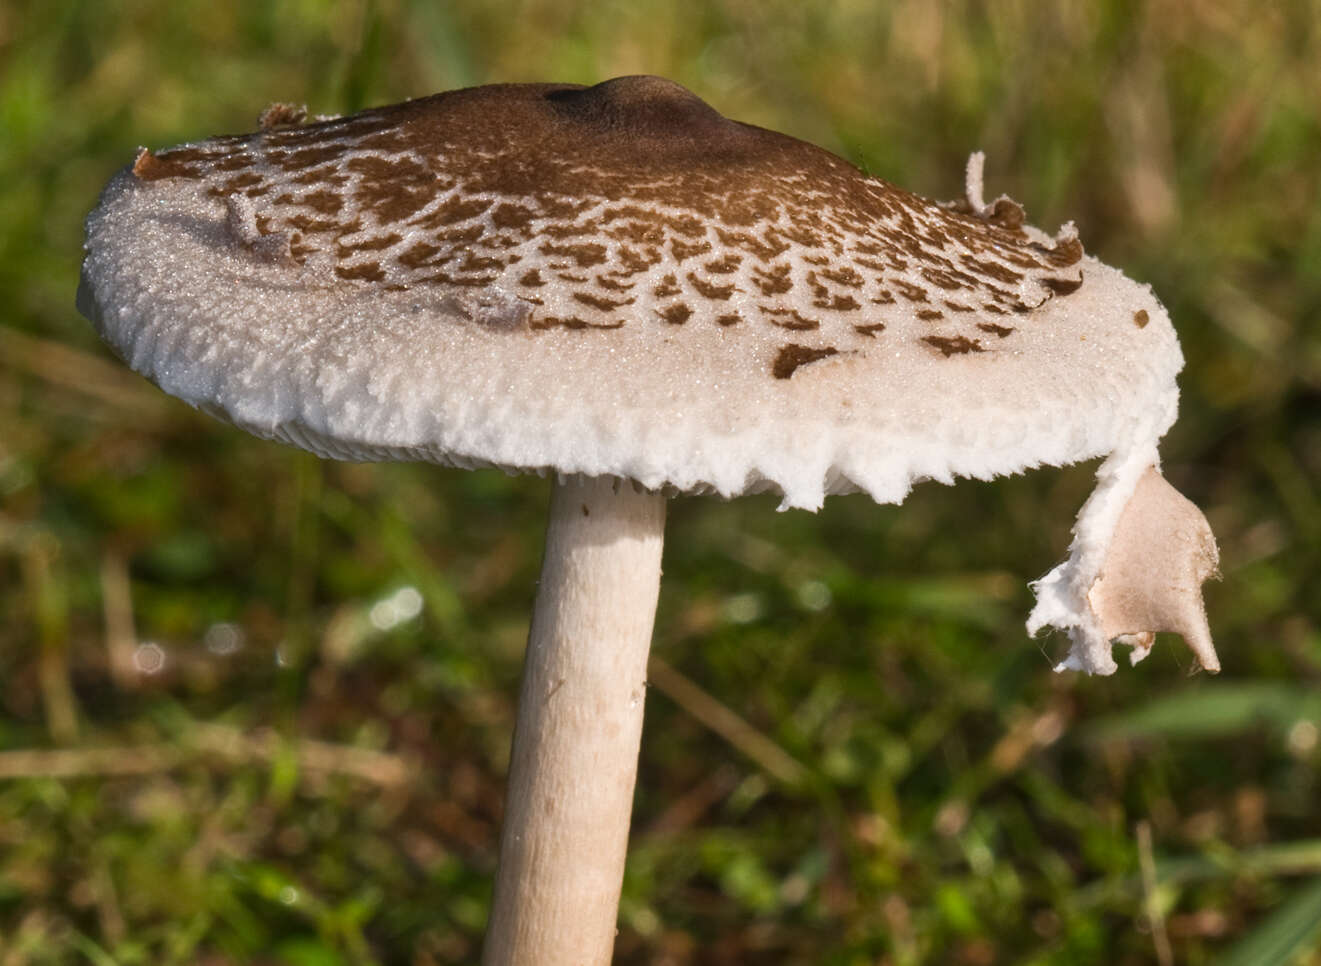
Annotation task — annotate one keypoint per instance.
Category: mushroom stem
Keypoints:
(575, 752)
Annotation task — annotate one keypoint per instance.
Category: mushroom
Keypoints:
(620, 288)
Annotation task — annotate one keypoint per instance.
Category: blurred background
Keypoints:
(255, 708)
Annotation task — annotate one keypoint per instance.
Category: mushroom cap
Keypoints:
(616, 280)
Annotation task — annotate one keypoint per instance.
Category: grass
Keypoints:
(227, 737)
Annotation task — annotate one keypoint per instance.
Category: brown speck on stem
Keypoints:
(1140, 318)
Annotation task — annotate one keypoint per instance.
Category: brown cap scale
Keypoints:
(616, 283)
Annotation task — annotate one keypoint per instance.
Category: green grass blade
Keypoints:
(1288, 932)
(1211, 711)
